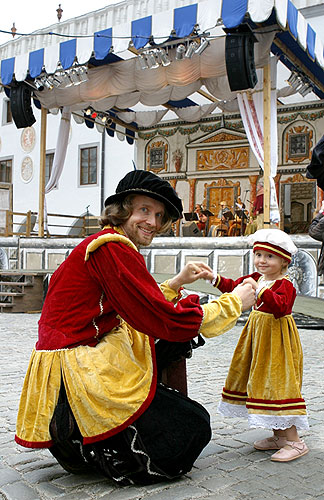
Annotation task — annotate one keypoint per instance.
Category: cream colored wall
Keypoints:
(305, 113)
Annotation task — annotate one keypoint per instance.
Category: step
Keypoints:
(11, 294)
(16, 283)
(4, 305)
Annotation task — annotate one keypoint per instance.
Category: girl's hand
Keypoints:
(192, 272)
(251, 281)
(247, 295)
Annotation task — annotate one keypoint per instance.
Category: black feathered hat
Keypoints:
(315, 169)
(148, 184)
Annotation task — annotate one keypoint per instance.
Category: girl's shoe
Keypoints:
(291, 451)
(271, 443)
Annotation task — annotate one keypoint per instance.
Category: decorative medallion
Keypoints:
(27, 169)
(222, 159)
(28, 139)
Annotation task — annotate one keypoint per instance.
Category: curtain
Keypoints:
(251, 109)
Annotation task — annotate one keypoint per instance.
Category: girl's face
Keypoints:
(268, 264)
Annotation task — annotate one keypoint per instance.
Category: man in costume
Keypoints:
(92, 392)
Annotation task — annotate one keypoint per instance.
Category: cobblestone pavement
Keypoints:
(229, 468)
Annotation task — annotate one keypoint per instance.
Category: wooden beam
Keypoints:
(266, 142)
(41, 199)
(207, 95)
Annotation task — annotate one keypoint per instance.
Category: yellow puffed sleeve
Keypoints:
(220, 315)
(168, 292)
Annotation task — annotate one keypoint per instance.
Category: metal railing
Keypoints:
(57, 225)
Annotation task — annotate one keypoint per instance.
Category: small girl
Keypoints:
(265, 376)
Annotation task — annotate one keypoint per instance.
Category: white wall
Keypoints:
(69, 197)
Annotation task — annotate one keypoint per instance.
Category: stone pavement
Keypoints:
(229, 468)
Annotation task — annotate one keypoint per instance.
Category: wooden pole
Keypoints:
(266, 142)
(42, 173)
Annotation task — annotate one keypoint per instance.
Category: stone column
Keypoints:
(253, 182)
(176, 225)
(277, 184)
(192, 193)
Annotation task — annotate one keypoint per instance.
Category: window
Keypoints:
(156, 158)
(88, 166)
(7, 115)
(48, 166)
(5, 170)
(298, 145)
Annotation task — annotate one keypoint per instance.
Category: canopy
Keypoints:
(115, 78)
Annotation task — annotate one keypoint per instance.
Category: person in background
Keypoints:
(265, 376)
(92, 394)
(316, 231)
(202, 223)
(257, 208)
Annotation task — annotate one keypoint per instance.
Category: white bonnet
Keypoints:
(275, 241)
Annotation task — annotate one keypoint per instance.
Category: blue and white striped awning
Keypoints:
(110, 43)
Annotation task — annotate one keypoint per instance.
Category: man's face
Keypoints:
(145, 221)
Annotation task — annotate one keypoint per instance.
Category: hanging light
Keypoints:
(83, 74)
(180, 52)
(73, 75)
(192, 47)
(163, 57)
(151, 60)
(203, 45)
(54, 81)
(47, 83)
(295, 81)
(39, 85)
(142, 61)
(62, 76)
(292, 79)
(305, 89)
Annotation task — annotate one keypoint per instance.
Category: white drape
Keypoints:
(60, 151)
(251, 109)
(123, 84)
(142, 118)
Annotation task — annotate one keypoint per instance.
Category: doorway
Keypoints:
(298, 202)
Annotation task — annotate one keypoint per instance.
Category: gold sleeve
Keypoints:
(168, 292)
(220, 315)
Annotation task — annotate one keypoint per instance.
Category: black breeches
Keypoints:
(161, 444)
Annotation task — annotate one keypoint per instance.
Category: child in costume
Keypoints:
(265, 376)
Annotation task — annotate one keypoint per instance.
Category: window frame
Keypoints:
(94, 146)
(305, 154)
(7, 159)
(47, 154)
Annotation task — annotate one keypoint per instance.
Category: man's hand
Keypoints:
(192, 272)
(247, 294)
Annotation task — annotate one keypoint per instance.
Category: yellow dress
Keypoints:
(265, 376)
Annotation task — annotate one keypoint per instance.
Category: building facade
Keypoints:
(94, 164)
(211, 161)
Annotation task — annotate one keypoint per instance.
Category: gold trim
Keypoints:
(107, 238)
(263, 245)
